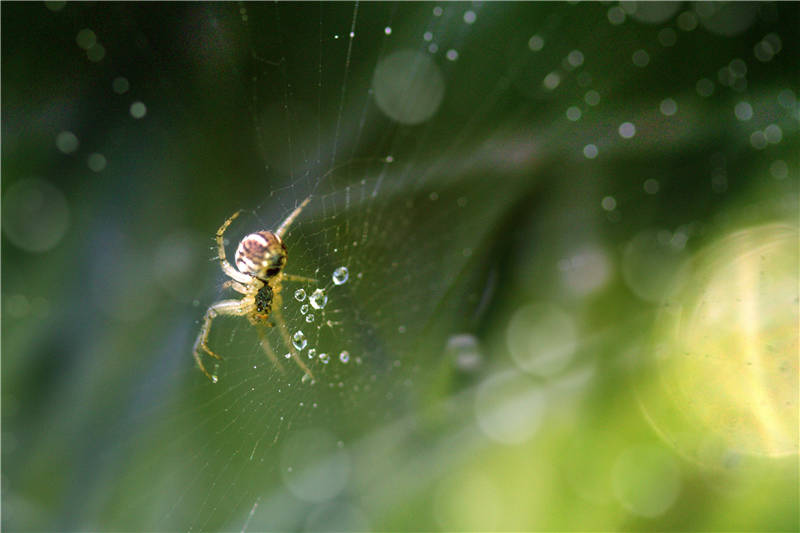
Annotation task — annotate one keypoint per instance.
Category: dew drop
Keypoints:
(324, 358)
(344, 356)
(312, 353)
(305, 379)
(299, 340)
(300, 295)
(304, 309)
(340, 275)
(310, 318)
(318, 299)
(287, 355)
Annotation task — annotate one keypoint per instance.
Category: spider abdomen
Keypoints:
(261, 254)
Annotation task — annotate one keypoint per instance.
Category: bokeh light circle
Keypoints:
(509, 407)
(542, 339)
(313, 465)
(409, 87)
(654, 12)
(650, 262)
(35, 215)
(723, 371)
(726, 18)
(646, 480)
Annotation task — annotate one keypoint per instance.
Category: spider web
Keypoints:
(425, 136)
(264, 447)
(409, 210)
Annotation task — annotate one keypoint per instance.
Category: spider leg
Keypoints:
(262, 335)
(224, 307)
(298, 279)
(280, 323)
(238, 287)
(288, 222)
(226, 267)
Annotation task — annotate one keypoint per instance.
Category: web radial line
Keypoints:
(344, 84)
(264, 341)
(367, 99)
(287, 113)
(319, 93)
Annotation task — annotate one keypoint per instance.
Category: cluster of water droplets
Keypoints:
(317, 300)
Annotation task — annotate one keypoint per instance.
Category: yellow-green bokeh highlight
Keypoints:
(724, 360)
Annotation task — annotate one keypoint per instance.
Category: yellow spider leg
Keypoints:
(277, 315)
(224, 307)
(238, 287)
(267, 348)
(298, 279)
(288, 222)
(226, 267)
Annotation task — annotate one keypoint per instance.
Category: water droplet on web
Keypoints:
(323, 357)
(300, 295)
(305, 379)
(214, 377)
(299, 340)
(312, 353)
(340, 275)
(318, 299)
(287, 355)
(310, 318)
(344, 356)
(304, 309)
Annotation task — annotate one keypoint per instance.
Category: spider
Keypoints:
(258, 276)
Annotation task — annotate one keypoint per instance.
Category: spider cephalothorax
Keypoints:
(260, 258)
(264, 300)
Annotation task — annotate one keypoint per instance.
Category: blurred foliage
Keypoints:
(571, 237)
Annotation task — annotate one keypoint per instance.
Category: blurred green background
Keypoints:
(571, 238)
